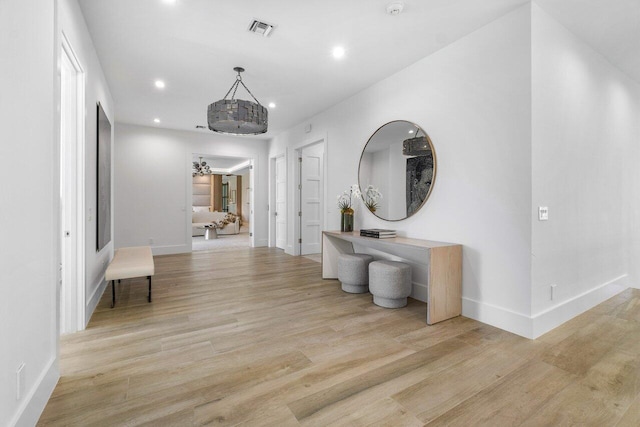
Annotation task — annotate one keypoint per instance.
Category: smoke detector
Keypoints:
(395, 8)
(261, 28)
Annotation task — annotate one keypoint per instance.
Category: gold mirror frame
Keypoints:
(396, 133)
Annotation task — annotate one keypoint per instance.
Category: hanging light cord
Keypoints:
(234, 87)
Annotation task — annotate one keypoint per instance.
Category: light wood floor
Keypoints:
(256, 337)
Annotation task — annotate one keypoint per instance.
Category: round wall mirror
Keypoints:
(397, 170)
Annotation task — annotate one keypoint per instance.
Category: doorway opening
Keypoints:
(72, 174)
(222, 203)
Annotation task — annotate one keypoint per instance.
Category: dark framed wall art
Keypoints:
(419, 180)
(103, 214)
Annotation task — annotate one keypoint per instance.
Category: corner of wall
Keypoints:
(539, 324)
(517, 323)
(34, 403)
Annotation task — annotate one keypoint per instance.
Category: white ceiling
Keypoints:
(193, 46)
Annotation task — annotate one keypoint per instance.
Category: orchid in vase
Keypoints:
(370, 197)
(345, 204)
(346, 199)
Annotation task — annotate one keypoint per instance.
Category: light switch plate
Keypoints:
(543, 213)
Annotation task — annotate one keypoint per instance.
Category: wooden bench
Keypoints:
(128, 263)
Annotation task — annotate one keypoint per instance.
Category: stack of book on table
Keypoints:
(378, 233)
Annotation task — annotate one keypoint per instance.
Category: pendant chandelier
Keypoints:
(237, 116)
(201, 168)
(418, 146)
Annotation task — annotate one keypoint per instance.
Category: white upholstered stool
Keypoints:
(353, 272)
(390, 283)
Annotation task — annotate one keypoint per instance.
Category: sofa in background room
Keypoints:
(200, 219)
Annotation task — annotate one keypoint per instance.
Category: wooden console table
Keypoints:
(442, 260)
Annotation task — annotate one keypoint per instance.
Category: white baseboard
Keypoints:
(93, 301)
(517, 323)
(419, 291)
(259, 243)
(171, 249)
(29, 412)
(555, 316)
(534, 326)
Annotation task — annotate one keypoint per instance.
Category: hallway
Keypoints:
(256, 337)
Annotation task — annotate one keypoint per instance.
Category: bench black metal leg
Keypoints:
(149, 278)
(113, 293)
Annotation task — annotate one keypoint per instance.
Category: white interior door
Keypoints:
(281, 203)
(311, 180)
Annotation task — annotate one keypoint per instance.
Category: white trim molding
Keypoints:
(80, 231)
(517, 323)
(548, 319)
(35, 401)
(171, 249)
(534, 326)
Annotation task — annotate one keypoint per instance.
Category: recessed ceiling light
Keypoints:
(338, 52)
(156, 120)
(272, 105)
(160, 84)
(170, 1)
(411, 131)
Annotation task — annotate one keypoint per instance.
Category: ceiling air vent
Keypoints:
(261, 28)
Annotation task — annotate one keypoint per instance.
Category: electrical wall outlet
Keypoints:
(151, 240)
(553, 291)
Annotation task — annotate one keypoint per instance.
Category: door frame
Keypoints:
(272, 196)
(301, 187)
(253, 170)
(296, 199)
(78, 311)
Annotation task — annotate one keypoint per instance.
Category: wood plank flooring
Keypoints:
(253, 337)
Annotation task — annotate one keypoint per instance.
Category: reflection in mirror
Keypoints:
(398, 161)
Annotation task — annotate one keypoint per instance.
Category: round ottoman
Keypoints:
(353, 272)
(390, 283)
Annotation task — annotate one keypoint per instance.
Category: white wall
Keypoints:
(153, 184)
(73, 26)
(586, 128)
(246, 197)
(30, 114)
(522, 114)
(28, 214)
(474, 99)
